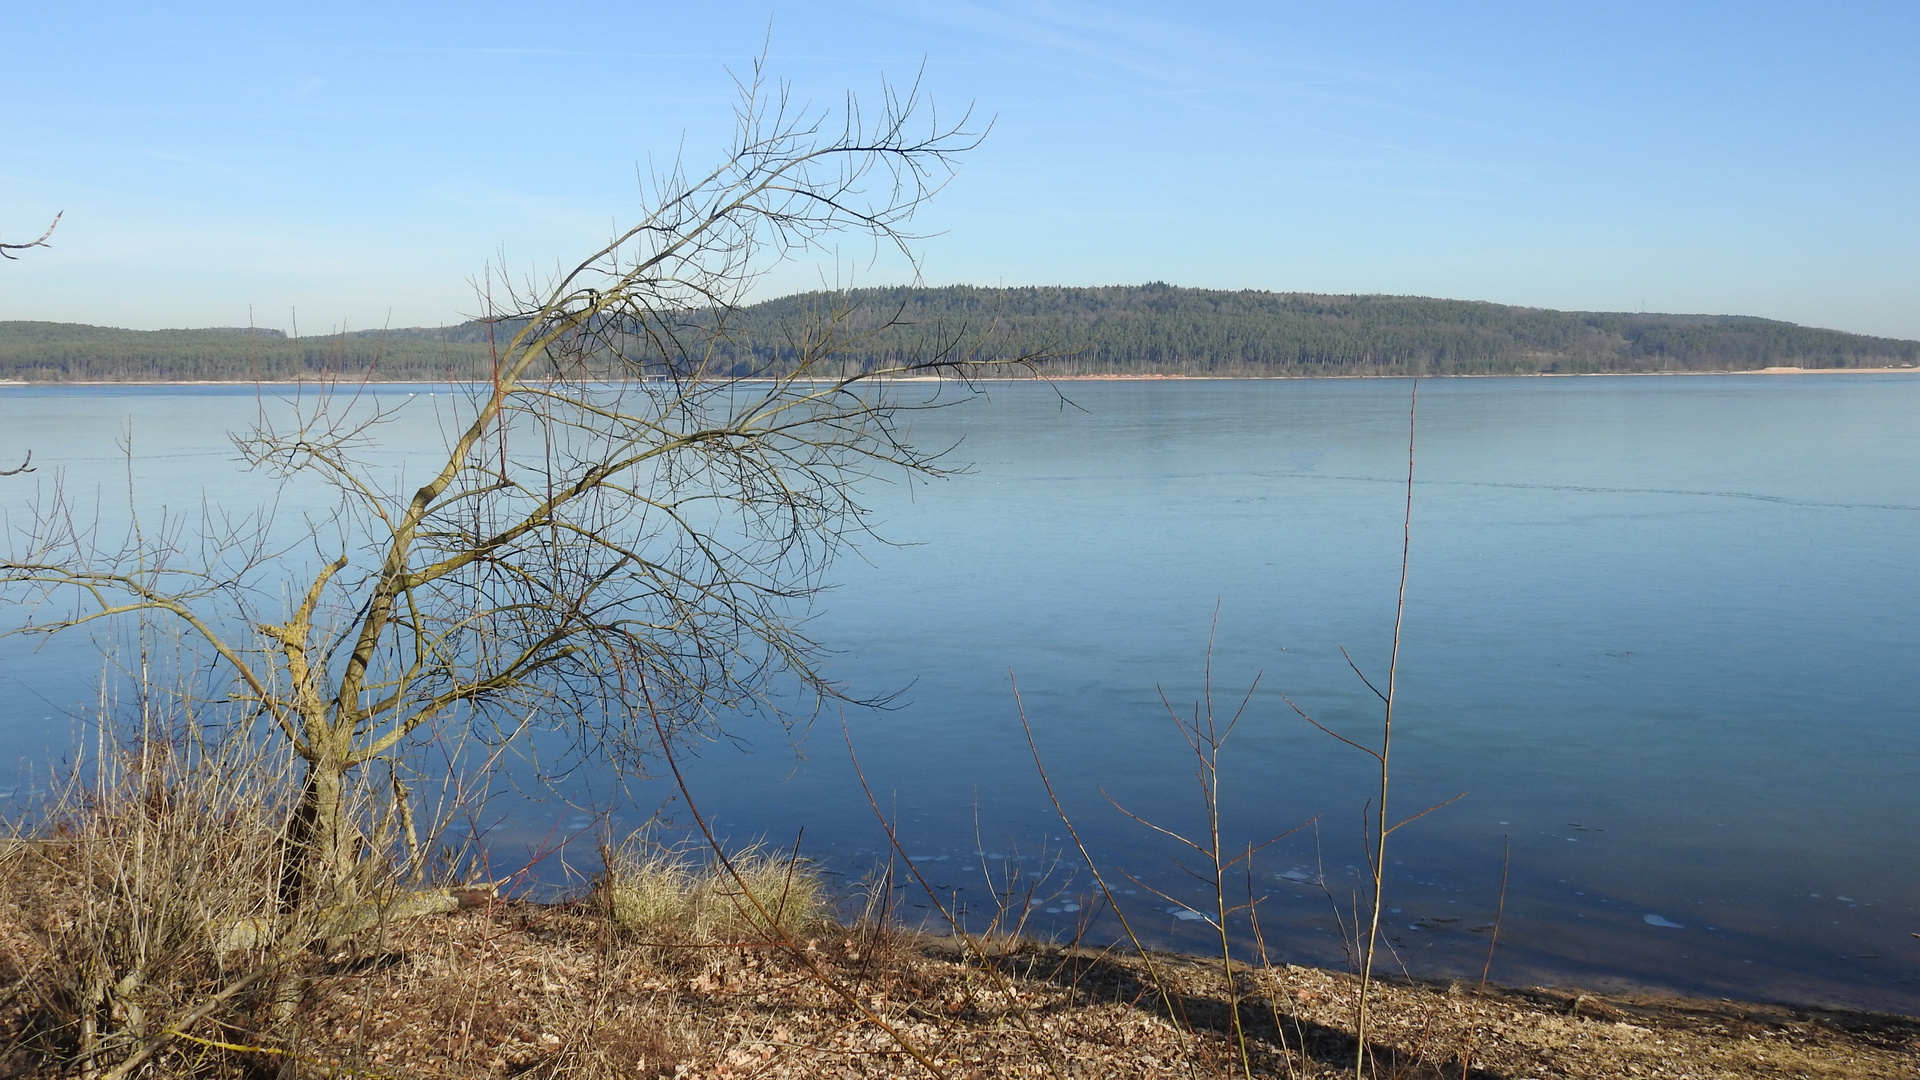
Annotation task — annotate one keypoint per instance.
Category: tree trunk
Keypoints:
(322, 845)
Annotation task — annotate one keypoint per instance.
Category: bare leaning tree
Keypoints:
(623, 520)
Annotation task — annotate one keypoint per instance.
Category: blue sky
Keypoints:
(360, 165)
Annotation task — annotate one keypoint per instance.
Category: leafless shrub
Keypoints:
(617, 534)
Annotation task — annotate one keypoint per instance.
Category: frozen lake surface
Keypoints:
(1659, 629)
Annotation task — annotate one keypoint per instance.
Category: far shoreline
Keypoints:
(1038, 377)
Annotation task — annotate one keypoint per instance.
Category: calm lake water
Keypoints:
(1660, 630)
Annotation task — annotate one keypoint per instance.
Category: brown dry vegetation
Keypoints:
(141, 935)
(508, 988)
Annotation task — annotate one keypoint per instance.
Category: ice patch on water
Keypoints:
(1655, 920)
(1185, 914)
(1300, 875)
(1069, 907)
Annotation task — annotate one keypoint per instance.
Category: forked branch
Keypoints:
(7, 250)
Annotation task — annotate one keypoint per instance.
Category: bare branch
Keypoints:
(7, 249)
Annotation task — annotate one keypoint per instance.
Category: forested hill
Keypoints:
(1115, 330)
(73, 352)
(1161, 328)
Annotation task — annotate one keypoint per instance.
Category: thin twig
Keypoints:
(40, 242)
(971, 943)
(1046, 781)
(1379, 853)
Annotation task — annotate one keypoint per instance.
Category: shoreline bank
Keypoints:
(505, 988)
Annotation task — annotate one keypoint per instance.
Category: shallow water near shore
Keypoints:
(1659, 630)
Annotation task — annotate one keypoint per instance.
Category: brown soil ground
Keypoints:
(514, 989)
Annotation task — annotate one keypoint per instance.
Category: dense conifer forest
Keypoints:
(1117, 330)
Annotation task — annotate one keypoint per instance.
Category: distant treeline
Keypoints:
(71, 352)
(1147, 329)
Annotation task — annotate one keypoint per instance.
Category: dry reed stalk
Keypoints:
(156, 866)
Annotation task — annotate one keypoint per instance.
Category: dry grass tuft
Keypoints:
(754, 895)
